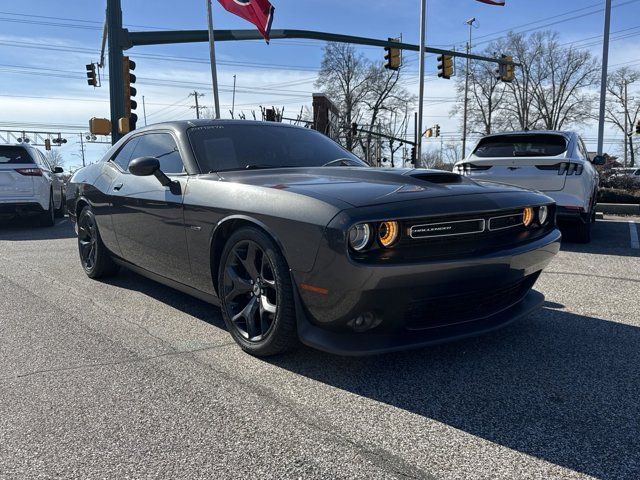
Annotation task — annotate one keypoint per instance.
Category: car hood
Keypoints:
(361, 187)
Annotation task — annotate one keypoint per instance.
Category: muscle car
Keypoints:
(298, 240)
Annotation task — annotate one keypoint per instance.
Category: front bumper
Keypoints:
(418, 304)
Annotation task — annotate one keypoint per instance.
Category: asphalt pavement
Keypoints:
(131, 379)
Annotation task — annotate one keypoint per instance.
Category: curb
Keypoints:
(618, 208)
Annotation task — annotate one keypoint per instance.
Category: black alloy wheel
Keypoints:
(87, 242)
(256, 294)
(94, 256)
(250, 290)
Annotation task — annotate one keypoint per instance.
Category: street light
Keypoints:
(469, 22)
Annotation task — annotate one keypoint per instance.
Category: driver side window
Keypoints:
(123, 157)
(164, 148)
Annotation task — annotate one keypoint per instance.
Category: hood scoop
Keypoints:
(439, 177)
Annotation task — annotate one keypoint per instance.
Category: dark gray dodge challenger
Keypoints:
(299, 241)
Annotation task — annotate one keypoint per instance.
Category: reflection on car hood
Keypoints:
(365, 186)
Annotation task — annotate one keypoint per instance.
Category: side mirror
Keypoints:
(599, 160)
(58, 170)
(146, 166)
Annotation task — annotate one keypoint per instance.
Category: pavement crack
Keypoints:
(91, 366)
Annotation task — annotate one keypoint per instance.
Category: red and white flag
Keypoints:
(500, 3)
(258, 12)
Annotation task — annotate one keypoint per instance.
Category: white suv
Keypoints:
(555, 163)
(29, 185)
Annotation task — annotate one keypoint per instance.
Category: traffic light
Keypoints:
(638, 128)
(506, 73)
(92, 78)
(128, 66)
(445, 66)
(47, 144)
(354, 129)
(413, 155)
(437, 130)
(393, 56)
(428, 132)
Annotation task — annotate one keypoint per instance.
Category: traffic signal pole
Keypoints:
(116, 77)
(603, 82)
(423, 33)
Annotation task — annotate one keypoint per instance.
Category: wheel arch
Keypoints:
(223, 231)
(80, 204)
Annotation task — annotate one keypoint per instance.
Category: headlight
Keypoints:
(527, 216)
(543, 214)
(388, 233)
(359, 236)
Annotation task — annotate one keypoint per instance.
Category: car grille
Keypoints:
(424, 313)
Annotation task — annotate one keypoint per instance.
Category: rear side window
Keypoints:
(541, 145)
(14, 155)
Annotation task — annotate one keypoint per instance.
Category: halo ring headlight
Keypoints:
(543, 214)
(388, 233)
(527, 216)
(359, 236)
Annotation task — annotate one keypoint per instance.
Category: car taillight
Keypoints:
(29, 172)
(570, 168)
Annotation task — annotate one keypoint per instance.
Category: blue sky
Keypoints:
(44, 46)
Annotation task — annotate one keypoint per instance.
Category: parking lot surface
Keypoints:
(128, 378)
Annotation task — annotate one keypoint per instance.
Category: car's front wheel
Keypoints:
(94, 256)
(256, 294)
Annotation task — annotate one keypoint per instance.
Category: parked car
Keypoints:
(298, 239)
(29, 186)
(555, 163)
(632, 173)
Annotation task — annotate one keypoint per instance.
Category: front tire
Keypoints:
(95, 258)
(256, 294)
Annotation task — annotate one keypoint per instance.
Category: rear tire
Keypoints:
(582, 232)
(95, 259)
(47, 218)
(256, 294)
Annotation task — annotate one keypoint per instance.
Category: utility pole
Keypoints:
(423, 34)
(466, 90)
(626, 122)
(197, 106)
(605, 67)
(82, 149)
(212, 58)
(233, 101)
(144, 111)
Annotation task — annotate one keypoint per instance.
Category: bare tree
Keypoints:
(486, 95)
(55, 158)
(623, 108)
(560, 77)
(344, 77)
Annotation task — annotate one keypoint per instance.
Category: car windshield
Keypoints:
(240, 147)
(14, 155)
(540, 145)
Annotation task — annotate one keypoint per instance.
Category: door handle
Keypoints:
(118, 186)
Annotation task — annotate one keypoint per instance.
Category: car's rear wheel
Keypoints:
(94, 256)
(47, 218)
(256, 294)
(582, 232)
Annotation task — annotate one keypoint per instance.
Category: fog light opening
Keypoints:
(363, 322)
